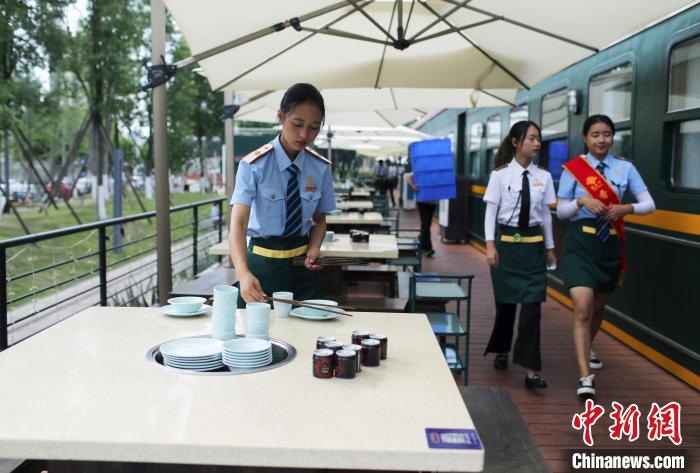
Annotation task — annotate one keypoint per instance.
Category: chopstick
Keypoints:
(314, 305)
(332, 261)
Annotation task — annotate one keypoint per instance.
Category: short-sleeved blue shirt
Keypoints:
(621, 174)
(262, 186)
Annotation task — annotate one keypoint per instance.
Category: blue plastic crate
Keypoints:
(430, 147)
(432, 162)
(429, 193)
(434, 178)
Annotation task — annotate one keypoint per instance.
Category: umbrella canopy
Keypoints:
(477, 44)
(375, 107)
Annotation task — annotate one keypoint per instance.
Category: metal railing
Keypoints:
(138, 256)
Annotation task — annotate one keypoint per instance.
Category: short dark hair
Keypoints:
(302, 93)
(598, 118)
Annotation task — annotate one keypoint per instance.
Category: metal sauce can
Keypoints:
(323, 363)
(358, 336)
(334, 346)
(371, 352)
(383, 343)
(321, 341)
(357, 349)
(346, 366)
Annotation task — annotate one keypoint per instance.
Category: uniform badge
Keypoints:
(537, 183)
(309, 179)
(310, 188)
(618, 172)
(517, 238)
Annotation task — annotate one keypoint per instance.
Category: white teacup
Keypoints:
(257, 320)
(282, 309)
(225, 295)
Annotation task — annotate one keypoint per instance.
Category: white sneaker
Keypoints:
(586, 387)
(594, 362)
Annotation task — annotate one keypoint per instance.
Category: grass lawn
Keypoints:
(32, 268)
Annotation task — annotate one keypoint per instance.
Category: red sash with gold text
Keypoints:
(598, 188)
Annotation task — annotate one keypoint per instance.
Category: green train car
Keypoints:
(649, 83)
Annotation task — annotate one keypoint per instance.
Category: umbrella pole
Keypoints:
(160, 157)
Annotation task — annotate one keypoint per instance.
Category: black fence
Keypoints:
(192, 232)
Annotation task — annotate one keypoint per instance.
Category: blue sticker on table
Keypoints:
(466, 439)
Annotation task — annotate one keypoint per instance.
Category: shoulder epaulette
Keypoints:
(620, 157)
(502, 166)
(316, 155)
(250, 158)
(543, 167)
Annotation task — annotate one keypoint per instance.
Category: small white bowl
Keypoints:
(311, 312)
(185, 305)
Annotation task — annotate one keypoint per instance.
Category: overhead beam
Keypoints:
(528, 27)
(256, 35)
(454, 30)
(438, 20)
(270, 58)
(362, 11)
(477, 47)
(344, 34)
(381, 61)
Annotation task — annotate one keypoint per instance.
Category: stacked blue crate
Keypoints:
(432, 162)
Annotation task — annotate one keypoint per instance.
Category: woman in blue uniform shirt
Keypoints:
(592, 255)
(283, 191)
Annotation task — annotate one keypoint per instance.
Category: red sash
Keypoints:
(598, 188)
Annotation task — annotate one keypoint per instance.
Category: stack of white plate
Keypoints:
(247, 353)
(195, 354)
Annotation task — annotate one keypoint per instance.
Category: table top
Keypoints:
(83, 390)
(355, 218)
(355, 204)
(379, 246)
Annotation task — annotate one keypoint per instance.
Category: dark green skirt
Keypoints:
(280, 274)
(521, 275)
(589, 261)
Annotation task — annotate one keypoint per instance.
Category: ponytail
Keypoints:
(517, 132)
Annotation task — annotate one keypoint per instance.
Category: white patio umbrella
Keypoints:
(478, 44)
(375, 107)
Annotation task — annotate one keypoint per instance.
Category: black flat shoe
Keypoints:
(535, 382)
(501, 361)
(430, 253)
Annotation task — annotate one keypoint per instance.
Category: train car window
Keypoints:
(490, 160)
(622, 143)
(476, 133)
(686, 162)
(684, 83)
(555, 117)
(493, 141)
(474, 164)
(610, 93)
(518, 114)
(493, 132)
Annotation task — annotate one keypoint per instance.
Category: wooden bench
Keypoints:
(509, 446)
(203, 283)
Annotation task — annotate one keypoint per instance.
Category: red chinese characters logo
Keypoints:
(586, 419)
(662, 422)
(626, 422)
(665, 422)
